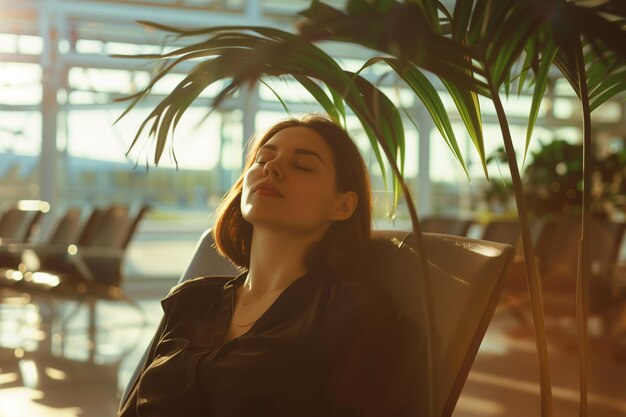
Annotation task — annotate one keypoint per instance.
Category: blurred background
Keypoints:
(72, 200)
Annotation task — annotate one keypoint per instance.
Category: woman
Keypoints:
(297, 334)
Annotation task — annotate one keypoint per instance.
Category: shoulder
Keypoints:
(193, 290)
(199, 284)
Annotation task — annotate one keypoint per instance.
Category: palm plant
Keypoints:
(480, 47)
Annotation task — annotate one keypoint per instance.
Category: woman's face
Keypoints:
(291, 185)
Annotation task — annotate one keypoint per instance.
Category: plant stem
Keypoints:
(534, 287)
(582, 277)
(422, 260)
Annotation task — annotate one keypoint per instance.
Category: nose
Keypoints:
(272, 167)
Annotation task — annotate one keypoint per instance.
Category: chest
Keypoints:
(243, 317)
(242, 320)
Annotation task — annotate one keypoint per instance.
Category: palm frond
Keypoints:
(245, 56)
(403, 31)
(541, 80)
(318, 93)
(429, 96)
(469, 108)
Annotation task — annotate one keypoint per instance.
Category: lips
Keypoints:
(266, 189)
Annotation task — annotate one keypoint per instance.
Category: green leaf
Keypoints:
(608, 94)
(467, 104)
(509, 42)
(245, 57)
(429, 10)
(541, 80)
(530, 54)
(318, 11)
(608, 81)
(268, 32)
(339, 105)
(429, 96)
(278, 97)
(568, 68)
(446, 13)
(162, 134)
(461, 19)
(595, 26)
(358, 7)
(404, 32)
(320, 96)
(478, 25)
(600, 67)
(388, 126)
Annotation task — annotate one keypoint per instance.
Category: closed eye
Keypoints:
(303, 168)
(259, 161)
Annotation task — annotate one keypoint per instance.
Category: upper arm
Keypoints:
(129, 397)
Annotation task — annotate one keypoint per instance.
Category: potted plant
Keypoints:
(476, 48)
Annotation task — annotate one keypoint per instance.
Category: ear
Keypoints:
(345, 206)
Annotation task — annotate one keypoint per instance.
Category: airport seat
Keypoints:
(446, 225)
(503, 231)
(465, 282)
(86, 272)
(19, 220)
(64, 233)
(556, 249)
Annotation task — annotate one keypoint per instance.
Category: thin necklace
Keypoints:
(232, 307)
(264, 296)
(232, 315)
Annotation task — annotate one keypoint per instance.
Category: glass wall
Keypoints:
(73, 47)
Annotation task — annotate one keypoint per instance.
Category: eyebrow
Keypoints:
(298, 151)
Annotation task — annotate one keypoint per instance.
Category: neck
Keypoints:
(276, 259)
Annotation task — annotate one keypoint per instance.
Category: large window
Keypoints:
(69, 52)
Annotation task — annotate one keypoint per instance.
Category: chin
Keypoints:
(288, 228)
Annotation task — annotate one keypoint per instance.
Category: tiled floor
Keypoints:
(503, 381)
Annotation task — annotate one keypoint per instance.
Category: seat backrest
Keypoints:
(66, 229)
(90, 226)
(18, 221)
(11, 224)
(605, 241)
(111, 229)
(557, 247)
(466, 279)
(206, 260)
(56, 260)
(133, 222)
(503, 231)
(446, 225)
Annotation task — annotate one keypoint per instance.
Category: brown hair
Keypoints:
(341, 252)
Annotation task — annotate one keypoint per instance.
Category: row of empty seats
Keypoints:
(79, 260)
(556, 242)
(85, 248)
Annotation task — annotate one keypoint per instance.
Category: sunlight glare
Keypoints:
(478, 406)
